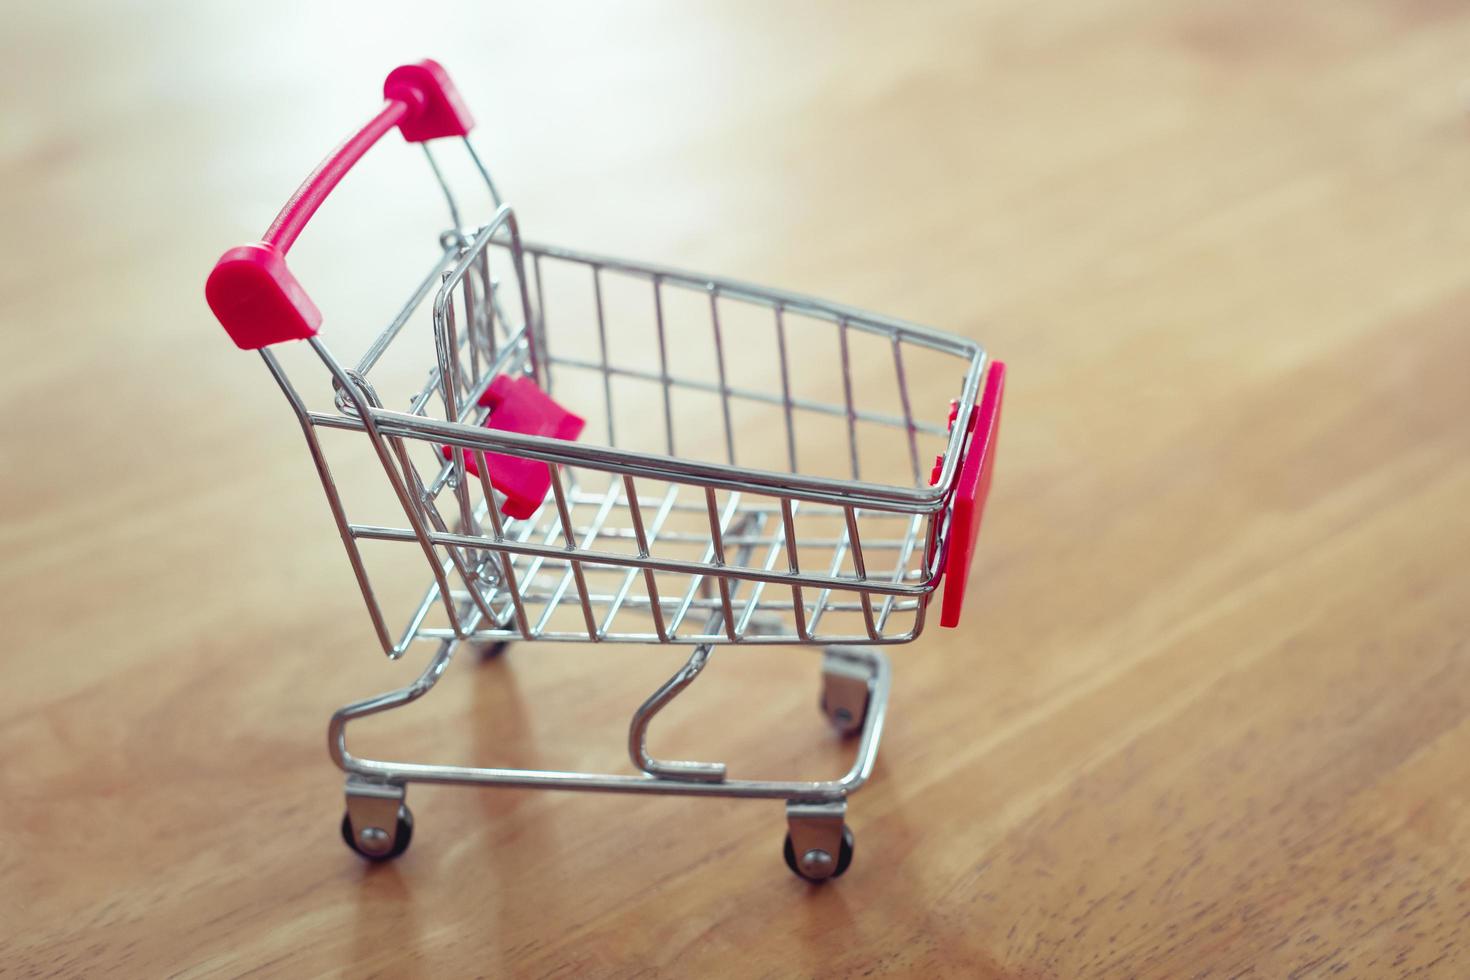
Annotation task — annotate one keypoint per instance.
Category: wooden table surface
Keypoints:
(1209, 714)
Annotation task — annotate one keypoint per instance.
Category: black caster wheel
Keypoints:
(841, 718)
(400, 842)
(492, 651)
(844, 858)
(847, 692)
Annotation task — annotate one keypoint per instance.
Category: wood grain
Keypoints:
(1209, 714)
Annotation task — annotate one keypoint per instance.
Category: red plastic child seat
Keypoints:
(517, 404)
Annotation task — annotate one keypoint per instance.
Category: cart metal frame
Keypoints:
(598, 559)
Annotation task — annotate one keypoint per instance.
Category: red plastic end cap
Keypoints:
(970, 494)
(434, 106)
(258, 300)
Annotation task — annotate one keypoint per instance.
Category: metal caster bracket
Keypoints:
(815, 834)
(372, 810)
(848, 677)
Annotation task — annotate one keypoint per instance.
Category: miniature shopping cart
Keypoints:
(575, 448)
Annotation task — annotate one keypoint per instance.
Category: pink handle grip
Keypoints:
(252, 293)
(283, 232)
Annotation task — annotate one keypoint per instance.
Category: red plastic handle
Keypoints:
(970, 493)
(252, 293)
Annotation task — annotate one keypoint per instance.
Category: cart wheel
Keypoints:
(845, 696)
(841, 718)
(400, 842)
(490, 651)
(817, 861)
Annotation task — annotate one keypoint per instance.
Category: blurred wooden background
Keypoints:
(1210, 713)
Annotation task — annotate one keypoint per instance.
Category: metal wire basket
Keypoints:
(723, 496)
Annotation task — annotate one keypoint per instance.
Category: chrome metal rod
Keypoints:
(638, 730)
(400, 773)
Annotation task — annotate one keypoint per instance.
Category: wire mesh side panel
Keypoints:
(483, 328)
(615, 558)
(678, 368)
(467, 322)
(686, 366)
